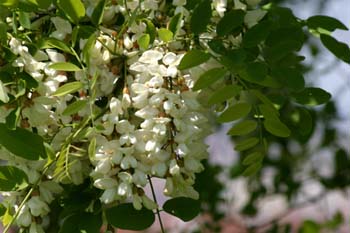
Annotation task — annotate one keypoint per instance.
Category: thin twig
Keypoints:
(155, 200)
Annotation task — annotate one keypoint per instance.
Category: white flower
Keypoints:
(109, 195)
(24, 217)
(179, 2)
(128, 161)
(151, 57)
(174, 169)
(139, 178)
(137, 202)
(3, 93)
(38, 207)
(148, 203)
(124, 189)
(62, 26)
(105, 183)
(252, 2)
(220, 6)
(36, 228)
(253, 17)
(159, 169)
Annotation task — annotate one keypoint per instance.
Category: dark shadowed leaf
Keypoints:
(339, 49)
(209, 77)
(243, 127)
(182, 207)
(97, 14)
(225, 93)
(82, 223)
(201, 17)
(230, 21)
(246, 144)
(12, 178)
(22, 143)
(125, 216)
(325, 22)
(257, 34)
(255, 157)
(312, 96)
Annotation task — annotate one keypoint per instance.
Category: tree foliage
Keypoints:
(98, 98)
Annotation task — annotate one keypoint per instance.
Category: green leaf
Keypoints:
(64, 66)
(143, 41)
(9, 3)
(13, 118)
(150, 30)
(279, 51)
(82, 222)
(49, 43)
(92, 149)
(312, 96)
(68, 88)
(3, 32)
(12, 179)
(73, 9)
(276, 127)
(292, 78)
(269, 112)
(246, 144)
(87, 48)
(165, 34)
(256, 34)
(74, 107)
(255, 157)
(235, 112)
(193, 58)
(182, 207)
(339, 49)
(97, 14)
(252, 169)
(175, 23)
(22, 143)
(29, 80)
(2, 210)
(44, 4)
(243, 128)
(254, 72)
(229, 22)
(125, 216)
(234, 60)
(209, 77)
(24, 19)
(225, 93)
(310, 227)
(201, 17)
(325, 22)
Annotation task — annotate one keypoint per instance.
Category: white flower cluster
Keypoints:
(163, 138)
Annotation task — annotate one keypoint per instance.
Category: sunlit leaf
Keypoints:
(64, 66)
(193, 58)
(74, 9)
(68, 88)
